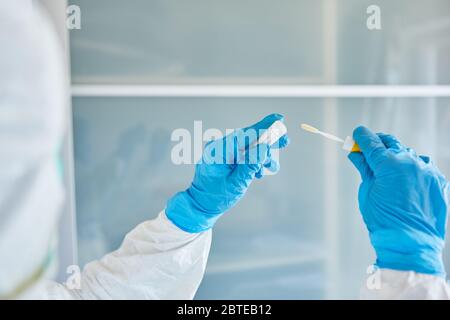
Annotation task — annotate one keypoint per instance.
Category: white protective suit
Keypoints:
(156, 260)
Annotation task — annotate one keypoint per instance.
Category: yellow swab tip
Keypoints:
(309, 128)
(355, 148)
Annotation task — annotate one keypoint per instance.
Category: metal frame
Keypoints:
(277, 91)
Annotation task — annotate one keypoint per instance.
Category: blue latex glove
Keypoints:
(403, 199)
(222, 177)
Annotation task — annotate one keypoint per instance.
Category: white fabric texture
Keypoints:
(33, 98)
(387, 284)
(156, 260)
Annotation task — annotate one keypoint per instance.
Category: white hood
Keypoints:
(33, 101)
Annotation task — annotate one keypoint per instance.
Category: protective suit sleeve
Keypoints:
(156, 260)
(388, 284)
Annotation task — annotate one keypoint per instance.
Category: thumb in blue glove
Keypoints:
(403, 199)
(222, 177)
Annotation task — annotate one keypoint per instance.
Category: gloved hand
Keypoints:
(222, 177)
(403, 199)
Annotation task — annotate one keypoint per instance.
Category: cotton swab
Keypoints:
(348, 144)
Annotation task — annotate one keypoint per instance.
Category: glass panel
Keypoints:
(412, 46)
(260, 41)
(277, 242)
(196, 41)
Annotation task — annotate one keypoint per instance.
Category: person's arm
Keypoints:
(403, 199)
(165, 258)
(156, 260)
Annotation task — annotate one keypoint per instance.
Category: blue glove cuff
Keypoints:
(397, 250)
(182, 210)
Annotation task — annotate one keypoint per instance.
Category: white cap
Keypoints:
(274, 133)
(348, 144)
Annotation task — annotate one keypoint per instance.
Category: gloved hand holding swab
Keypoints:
(347, 144)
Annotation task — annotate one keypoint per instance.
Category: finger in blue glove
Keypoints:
(223, 176)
